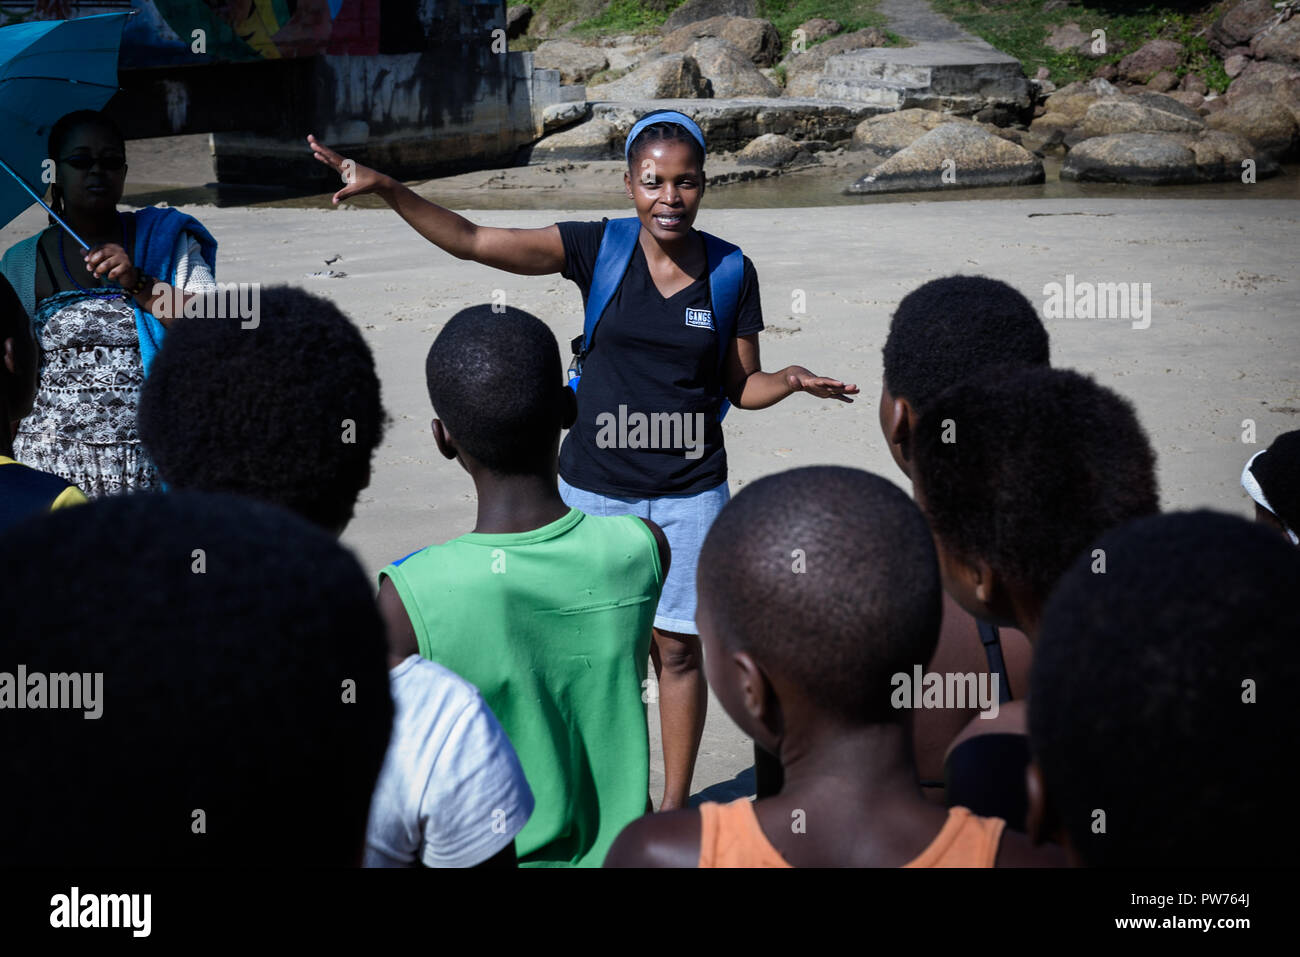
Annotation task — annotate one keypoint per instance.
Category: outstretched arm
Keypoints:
(749, 387)
(530, 252)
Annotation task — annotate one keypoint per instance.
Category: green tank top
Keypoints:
(553, 627)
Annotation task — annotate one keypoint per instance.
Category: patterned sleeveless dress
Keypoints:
(83, 424)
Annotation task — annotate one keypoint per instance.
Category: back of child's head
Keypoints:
(1276, 477)
(287, 412)
(953, 328)
(244, 712)
(495, 382)
(1161, 702)
(1026, 467)
(827, 577)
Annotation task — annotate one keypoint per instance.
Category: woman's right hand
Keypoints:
(358, 179)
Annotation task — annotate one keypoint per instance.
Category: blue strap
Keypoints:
(726, 270)
(612, 260)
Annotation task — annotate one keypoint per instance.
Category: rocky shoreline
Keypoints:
(932, 116)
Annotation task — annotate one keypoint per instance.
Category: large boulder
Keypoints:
(729, 71)
(756, 39)
(1267, 123)
(1220, 154)
(953, 155)
(818, 28)
(1149, 59)
(558, 116)
(1065, 109)
(1269, 79)
(773, 150)
(1162, 159)
(693, 11)
(674, 76)
(1238, 25)
(1150, 159)
(593, 140)
(1074, 99)
(517, 19)
(888, 133)
(1280, 44)
(1139, 113)
(576, 63)
(804, 70)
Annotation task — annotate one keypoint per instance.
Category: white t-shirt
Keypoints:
(451, 792)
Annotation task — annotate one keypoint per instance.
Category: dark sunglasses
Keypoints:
(110, 164)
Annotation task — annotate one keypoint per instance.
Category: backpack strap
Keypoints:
(612, 260)
(991, 638)
(726, 265)
(726, 270)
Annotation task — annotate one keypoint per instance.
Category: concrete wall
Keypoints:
(413, 87)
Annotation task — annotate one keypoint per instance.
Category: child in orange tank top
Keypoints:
(817, 588)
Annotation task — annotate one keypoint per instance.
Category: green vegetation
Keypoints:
(852, 14)
(1020, 28)
(596, 18)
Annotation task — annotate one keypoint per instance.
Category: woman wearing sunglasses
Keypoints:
(93, 310)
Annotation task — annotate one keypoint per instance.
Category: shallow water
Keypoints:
(815, 187)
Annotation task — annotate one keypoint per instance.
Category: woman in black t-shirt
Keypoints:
(647, 440)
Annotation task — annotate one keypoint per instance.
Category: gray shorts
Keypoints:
(685, 520)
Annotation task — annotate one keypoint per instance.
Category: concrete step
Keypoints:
(965, 76)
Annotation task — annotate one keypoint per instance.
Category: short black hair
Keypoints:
(660, 133)
(245, 676)
(1162, 689)
(287, 412)
(950, 329)
(1026, 467)
(1278, 472)
(76, 120)
(495, 382)
(828, 577)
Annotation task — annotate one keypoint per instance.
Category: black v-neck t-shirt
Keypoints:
(651, 364)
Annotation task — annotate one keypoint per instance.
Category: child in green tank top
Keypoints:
(545, 609)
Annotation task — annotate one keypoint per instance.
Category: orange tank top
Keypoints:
(730, 836)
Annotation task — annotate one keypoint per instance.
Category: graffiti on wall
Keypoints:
(191, 32)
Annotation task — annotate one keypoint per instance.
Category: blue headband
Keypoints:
(664, 116)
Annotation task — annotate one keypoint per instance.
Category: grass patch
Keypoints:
(635, 17)
(626, 16)
(852, 14)
(1020, 28)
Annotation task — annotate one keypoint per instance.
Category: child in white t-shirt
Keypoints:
(451, 792)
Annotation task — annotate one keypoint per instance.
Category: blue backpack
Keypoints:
(726, 269)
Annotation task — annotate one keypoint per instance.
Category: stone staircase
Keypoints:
(965, 78)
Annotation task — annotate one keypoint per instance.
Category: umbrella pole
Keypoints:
(57, 218)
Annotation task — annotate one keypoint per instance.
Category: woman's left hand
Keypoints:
(110, 261)
(801, 380)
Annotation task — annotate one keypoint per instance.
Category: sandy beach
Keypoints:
(1223, 344)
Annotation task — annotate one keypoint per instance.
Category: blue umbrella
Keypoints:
(49, 68)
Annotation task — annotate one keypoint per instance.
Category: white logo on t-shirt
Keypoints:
(700, 318)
